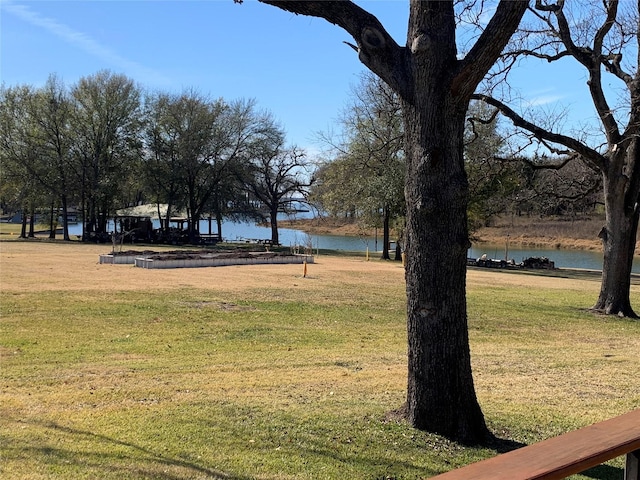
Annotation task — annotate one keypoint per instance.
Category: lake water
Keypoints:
(561, 258)
(240, 232)
(247, 231)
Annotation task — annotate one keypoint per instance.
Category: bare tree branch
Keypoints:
(612, 11)
(544, 135)
(487, 48)
(484, 121)
(591, 59)
(550, 165)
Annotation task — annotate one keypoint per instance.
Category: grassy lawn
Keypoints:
(113, 372)
(9, 230)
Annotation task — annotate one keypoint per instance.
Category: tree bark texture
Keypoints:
(273, 221)
(618, 238)
(435, 88)
(440, 389)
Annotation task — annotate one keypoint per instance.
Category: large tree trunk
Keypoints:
(441, 396)
(273, 220)
(435, 88)
(618, 241)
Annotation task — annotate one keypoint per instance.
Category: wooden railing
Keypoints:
(565, 455)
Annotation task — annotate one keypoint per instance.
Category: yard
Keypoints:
(111, 371)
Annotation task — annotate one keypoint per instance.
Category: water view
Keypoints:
(240, 232)
(589, 260)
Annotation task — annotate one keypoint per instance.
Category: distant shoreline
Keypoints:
(532, 232)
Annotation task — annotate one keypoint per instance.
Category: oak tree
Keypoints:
(106, 121)
(435, 83)
(51, 110)
(603, 39)
(277, 177)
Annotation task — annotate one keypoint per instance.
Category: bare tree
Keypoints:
(371, 148)
(435, 86)
(493, 180)
(277, 177)
(571, 189)
(599, 38)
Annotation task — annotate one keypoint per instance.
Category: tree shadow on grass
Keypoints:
(604, 472)
(379, 468)
(120, 463)
(117, 462)
(504, 445)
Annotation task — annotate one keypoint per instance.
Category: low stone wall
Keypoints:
(213, 261)
(194, 259)
(125, 258)
(118, 259)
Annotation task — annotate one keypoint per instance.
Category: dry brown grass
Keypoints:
(579, 234)
(71, 266)
(253, 368)
(29, 265)
(549, 232)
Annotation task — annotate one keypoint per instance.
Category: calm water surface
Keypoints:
(247, 231)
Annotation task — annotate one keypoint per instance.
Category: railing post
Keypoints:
(632, 469)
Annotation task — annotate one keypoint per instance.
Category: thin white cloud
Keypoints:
(539, 99)
(83, 42)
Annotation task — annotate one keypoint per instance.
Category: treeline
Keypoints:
(364, 177)
(104, 144)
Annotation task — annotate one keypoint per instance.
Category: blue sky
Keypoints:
(296, 67)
